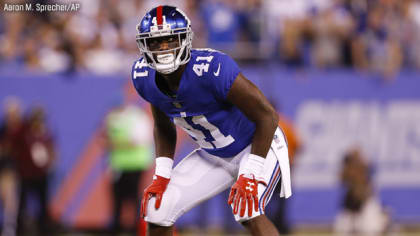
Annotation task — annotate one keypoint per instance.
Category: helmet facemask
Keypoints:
(168, 60)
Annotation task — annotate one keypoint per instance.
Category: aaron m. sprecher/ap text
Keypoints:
(39, 7)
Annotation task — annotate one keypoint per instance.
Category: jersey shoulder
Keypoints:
(210, 63)
(209, 55)
(141, 74)
(204, 52)
(213, 68)
(140, 69)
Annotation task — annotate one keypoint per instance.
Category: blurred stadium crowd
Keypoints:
(370, 35)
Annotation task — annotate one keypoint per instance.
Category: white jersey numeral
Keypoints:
(139, 65)
(196, 134)
(202, 67)
(220, 140)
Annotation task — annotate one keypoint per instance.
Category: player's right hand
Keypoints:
(156, 189)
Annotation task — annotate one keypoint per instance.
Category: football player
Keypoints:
(204, 92)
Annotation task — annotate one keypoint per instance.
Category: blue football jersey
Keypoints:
(200, 106)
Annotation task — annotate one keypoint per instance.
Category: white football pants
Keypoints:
(200, 176)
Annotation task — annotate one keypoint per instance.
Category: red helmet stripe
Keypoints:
(159, 15)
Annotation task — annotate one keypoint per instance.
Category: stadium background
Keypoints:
(345, 72)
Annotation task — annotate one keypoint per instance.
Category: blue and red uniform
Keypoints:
(200, 106)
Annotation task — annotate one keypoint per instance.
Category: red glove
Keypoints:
(156, 189)
(244, 190)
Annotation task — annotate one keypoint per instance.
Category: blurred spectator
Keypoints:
(9, 132)
(287, 24)
(252, 16)
(34, 164)
(192, 10)
(129, 141)
(361, 213)
(294, 144)
(103, 56)
(251, 33)
(330, 29)
(12, 35)
(222, 22)
(375, 48)
(406, 28)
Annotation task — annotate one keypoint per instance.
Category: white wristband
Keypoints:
(254, 165)
(164, 167)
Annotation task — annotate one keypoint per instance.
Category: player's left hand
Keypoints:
(244, 191)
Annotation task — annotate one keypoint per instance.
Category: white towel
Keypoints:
(279, 146)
